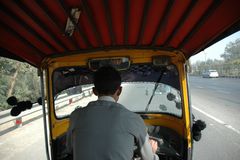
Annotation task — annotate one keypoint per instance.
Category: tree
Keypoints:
(13, 80)
(18, 79)
(232, 52)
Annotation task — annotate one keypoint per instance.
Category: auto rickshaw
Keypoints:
(148, 41)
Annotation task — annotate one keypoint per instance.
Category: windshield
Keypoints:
(140, 83)
(135, 97)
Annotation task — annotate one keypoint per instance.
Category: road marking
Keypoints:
(210, 116)
(234, 129)
(200, 87)
(217, 120)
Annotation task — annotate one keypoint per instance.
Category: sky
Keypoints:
(214, 51)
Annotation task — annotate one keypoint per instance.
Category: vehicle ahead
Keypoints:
(210, 74)
(67, 40)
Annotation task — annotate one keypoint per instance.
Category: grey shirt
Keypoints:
(106, 130)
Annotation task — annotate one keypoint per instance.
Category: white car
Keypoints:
(210, 74)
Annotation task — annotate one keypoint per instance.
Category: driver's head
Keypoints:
(107, 81)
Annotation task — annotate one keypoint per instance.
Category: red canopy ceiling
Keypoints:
(32, 30)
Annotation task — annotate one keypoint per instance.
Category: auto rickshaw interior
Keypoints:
(147, 41)
(151, 89)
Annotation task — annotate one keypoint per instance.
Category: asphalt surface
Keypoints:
(216, 101)
(24, 143)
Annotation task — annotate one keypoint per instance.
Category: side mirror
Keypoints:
(198, 126)
(39, 100)
(18, 107)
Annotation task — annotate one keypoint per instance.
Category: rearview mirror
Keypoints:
(160, 61)
(119, 63)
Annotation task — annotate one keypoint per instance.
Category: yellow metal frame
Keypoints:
(181, 126)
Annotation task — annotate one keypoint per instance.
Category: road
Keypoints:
(24, 143)
(216, 101)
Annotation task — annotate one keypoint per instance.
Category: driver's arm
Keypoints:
(147, 150)
(142, 141)
(69, 145)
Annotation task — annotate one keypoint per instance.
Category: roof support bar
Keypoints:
(78, 28)
(198, 25)
(162, 22)
(144, 20)
(126, 20)
(51, 18)
(46, 133)
(109, 21)
(92, 22)
(43, 26)
(181, 22)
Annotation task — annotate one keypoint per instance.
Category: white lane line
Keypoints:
(217, 120)
(210, 116)
(234, 129)
(200, 87)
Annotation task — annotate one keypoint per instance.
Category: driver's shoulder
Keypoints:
(127, 113)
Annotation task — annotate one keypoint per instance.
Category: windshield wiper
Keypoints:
(163, 70)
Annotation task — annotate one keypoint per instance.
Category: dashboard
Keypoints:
(170, 144)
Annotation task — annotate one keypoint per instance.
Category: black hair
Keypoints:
(106, 80)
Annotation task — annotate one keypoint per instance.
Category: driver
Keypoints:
(106, 130)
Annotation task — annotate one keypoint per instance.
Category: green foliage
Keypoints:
(26, 86)
(232, 52)
(5, 70)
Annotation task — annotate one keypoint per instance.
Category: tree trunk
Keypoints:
(13, 80)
